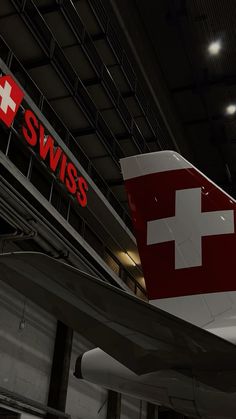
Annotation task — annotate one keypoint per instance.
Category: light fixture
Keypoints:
(141, 281)
(231, 109)
(129, 259)
(22, 322)
(134, 255)
(214, 47)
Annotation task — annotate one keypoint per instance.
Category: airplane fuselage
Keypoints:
(215, 312)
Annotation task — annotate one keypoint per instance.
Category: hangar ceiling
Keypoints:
(71, 52)
(168, 41)
(71, 62)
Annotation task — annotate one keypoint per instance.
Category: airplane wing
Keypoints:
(140, 336)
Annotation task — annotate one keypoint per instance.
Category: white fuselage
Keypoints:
(214, 312)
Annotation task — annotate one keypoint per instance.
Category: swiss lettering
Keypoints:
(58, 162)
(47, 149)
(29, 131)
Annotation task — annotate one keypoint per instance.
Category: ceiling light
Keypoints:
(134, 256)
(214, 47)
(129, 259)
(231, 109)
(141, 281)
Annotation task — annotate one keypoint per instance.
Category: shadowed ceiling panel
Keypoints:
(60, 29)
(24, 46)
(48, 81)
(71, 114)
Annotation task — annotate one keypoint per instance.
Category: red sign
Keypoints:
(11, 97)
(34, 133)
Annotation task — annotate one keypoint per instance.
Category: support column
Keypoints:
(152, 411)
(60, 367)
(113, 405)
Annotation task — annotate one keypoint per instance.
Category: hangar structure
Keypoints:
(102, 80)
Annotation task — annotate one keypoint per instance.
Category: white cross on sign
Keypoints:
(188, 227)
(6, 100)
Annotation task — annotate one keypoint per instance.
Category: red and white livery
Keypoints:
(11, 97)
(185, 230)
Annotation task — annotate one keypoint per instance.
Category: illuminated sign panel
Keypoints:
(36, 137)
(11, 97)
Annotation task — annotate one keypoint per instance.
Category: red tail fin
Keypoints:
(184, 225)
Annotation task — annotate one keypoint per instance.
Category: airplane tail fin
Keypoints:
(184, 225)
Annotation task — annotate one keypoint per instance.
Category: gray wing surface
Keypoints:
(143, 338)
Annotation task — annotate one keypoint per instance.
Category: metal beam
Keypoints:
(151, 411)
(24, 404)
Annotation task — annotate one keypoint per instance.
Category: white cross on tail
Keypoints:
(188, 227)
(5, 96)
